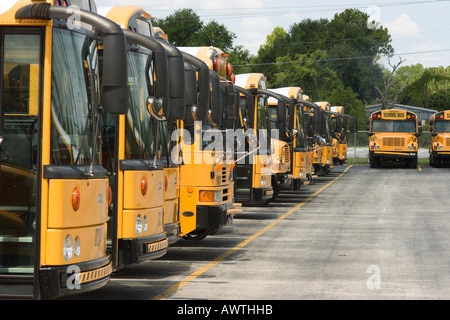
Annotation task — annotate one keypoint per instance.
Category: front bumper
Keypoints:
(213, 217)
(441, 154)
(394, 155)
(142, 249)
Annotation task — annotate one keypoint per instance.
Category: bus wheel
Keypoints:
(413, 163)
(197, 235)
(434, 162)
(372, 162)
(296, 184)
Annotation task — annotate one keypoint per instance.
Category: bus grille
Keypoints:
(287, 154)
(393, 142)
(225, 174)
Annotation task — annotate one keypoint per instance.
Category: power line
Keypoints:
(339, 6)
(334, 59)
(237, 12)
(356, 38)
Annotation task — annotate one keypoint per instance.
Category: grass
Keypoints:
(421, 161)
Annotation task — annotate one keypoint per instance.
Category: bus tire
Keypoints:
(197, 235)
(413, 163)
(372, 162)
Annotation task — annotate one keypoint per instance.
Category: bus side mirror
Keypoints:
(215, 115)
(370, 134)
(191, 111)
(434, 134)
(417, 134)
(230, 95)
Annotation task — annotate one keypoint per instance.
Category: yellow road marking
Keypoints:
(223, 256)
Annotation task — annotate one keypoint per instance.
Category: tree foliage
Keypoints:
(430, 88)
(185, 29)
(346, 43)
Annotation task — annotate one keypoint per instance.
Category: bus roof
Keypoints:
(251, 80)
(441, 115)
(289, 92)
(338, 109)
(122, 15)
(324, 105)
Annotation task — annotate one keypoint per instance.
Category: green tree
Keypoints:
(183, 27)
(430, 89)
(216, 35)
(345, 97)
(351, 44)
(240, 58)
(306, 71)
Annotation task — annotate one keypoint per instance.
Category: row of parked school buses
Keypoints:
(114, 143)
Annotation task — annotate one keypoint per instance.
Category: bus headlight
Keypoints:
(67, 247)
(263, 181)
(138, 224)
(76, 247)
(145, 224)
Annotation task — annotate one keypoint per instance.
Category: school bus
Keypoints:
(307, 106)
(281, 168)
(254, 161)
(327, 149)
(206, 174)
(439, 147)
(140, 183)
(296, 131)
(54, 189)
(317, 132)
(394, 136)
(339, 130)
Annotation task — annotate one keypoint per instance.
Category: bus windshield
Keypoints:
(74, 85)
(393, 126)
(441, 126)
(139, 129)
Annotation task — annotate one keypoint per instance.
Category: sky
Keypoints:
(420, 30)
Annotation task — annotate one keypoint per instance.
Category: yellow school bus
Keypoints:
(297, 133)
(307, 107)
(439, 147)
(254, 161)
(281, 168)
(339, 122)
(394, 135)
(54, 189)
(317, 136)
(170, 126)
(206, 174)
(137, 226)
(327, 149)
